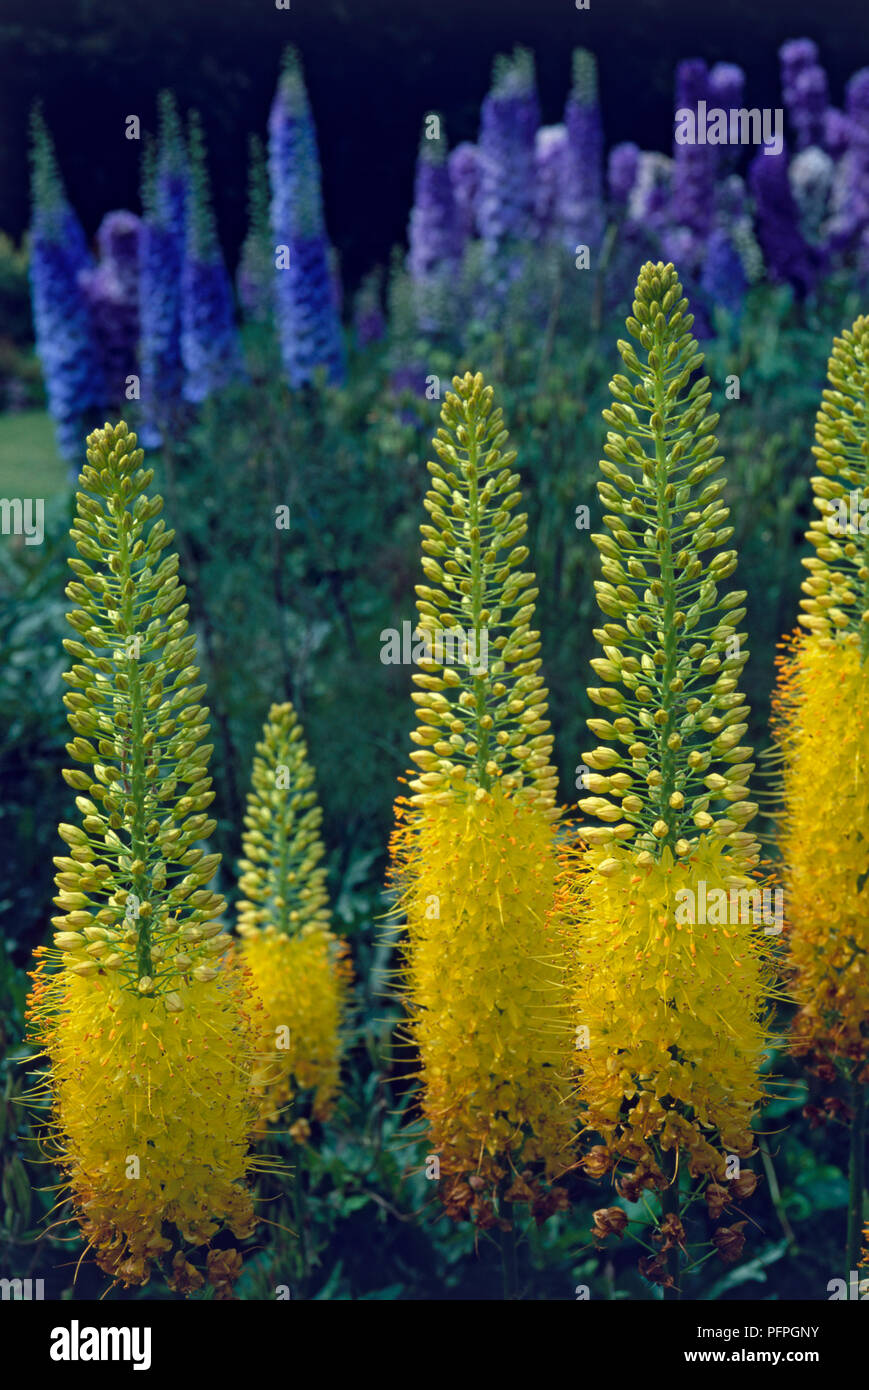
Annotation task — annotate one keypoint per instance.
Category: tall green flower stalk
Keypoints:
(666, 914)
(822, 729)
(141, 1023)
(474, 852)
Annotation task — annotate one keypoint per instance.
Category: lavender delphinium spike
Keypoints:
(308, 325)
(165, 193)
(433, 233)
(795, 57)
(726, 86)
(509, 120)
(112, 292)
(694, 166)
(810, 102)
(550, 147)
(582, 210)
(210, 346)
(623, 167)
(464, 166)
(787, 255)
(850, 196)
(65, 338)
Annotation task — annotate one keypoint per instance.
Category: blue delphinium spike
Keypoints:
(464, 167)
(694, 164)
(210, 347)
(582, 196)
(509, 119)
(787, 255)
(165, 196)
(65, 339)
(112, 292)
(308, 324)
(435, 243)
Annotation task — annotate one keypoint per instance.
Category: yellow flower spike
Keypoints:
(474, 865)
(821, 725)
(299, 967)
(139, 1045)
(670, 967)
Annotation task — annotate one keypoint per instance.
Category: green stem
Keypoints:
(775, 1194)
(671, 636)
(480, 688)
(857, 1175)
(138, 838)
(670, 1207)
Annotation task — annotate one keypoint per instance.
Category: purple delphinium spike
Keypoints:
(795, 56)
(811, 99)
(726, 86)
(464, 166)
(582, 211)
(623, 167)
(786, 253)
(857, 107)
(433, 233)
(508, 125)
(835, 132)
(165, 193)
(112, 291)
(850, 197)
(210, 346)
(65, 340)
(308, 325)
(805, 92)
(694, 165)
(550, 147)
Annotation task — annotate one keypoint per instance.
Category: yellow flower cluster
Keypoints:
(484, 990)
(152, 1117)
(299, 967)
(667, 1008)
(302, 981)
(822, 728)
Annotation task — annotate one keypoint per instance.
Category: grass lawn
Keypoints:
(30, 465)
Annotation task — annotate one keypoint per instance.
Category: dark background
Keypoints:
(373, 67)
